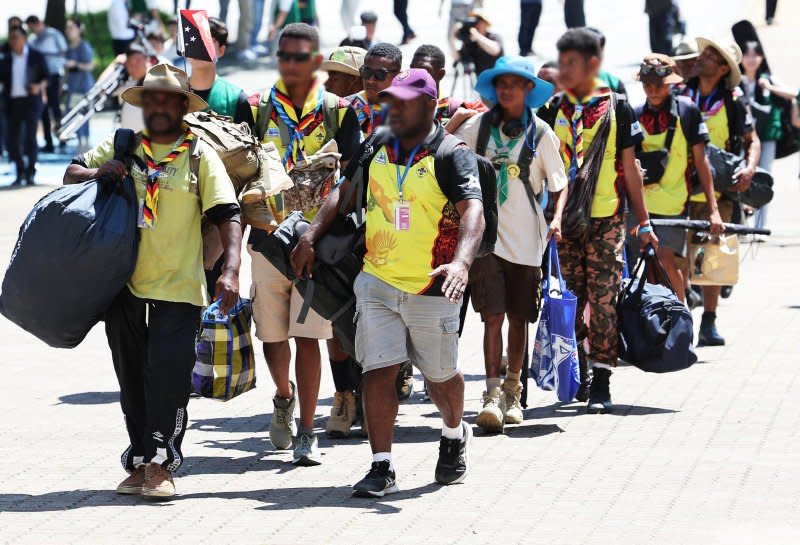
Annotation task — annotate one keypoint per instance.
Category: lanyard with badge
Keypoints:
(402, 209)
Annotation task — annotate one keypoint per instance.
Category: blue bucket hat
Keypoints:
(515, 66)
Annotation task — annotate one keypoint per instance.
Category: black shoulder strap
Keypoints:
(673, 123)
(370, 147)
(550, 112)
(527, 153)
(484, 129)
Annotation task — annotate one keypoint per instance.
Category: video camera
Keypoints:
(465, 25)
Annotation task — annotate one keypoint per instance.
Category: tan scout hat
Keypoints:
(347, 60)
(165, 78)
(732, 54)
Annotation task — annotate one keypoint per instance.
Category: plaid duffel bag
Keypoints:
(225, 366)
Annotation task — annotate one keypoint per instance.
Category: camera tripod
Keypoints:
(464, 74)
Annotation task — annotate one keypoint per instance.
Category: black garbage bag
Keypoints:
(75, 252)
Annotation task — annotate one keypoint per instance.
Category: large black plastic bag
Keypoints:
(75, 252)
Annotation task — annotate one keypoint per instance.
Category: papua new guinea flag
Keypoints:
(194, 36)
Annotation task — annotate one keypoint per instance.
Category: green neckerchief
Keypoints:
(501, 159)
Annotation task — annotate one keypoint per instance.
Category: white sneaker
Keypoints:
(260, 50)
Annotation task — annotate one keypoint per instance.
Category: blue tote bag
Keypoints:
(554, 362)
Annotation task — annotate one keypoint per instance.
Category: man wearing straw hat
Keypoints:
(730, 127)
(152, 324)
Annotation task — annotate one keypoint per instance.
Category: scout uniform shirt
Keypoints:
(312, 126)
(725, 129)
(670, 195)
(370, 116)
(624, 133)
(518, 222)
(169, 266)
(402, 249)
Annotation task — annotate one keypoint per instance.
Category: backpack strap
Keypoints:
(526, 154)
(550, 112)
(330, 115)
(484, 129)
(369, 149)
(674, 113)
(263, 118)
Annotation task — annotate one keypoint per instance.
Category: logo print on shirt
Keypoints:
(273, 132)
(561, 122)
(702, 128)
(636, 128)
(422, 171)
(380, 159)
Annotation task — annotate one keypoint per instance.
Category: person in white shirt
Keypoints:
(507, 282)
(118, 26)
(136, 64)
(52, 44)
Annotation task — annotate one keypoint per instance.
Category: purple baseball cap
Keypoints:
(411, 84)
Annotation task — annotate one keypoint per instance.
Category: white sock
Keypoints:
(453, 433)
(493, 383)
(384, 457)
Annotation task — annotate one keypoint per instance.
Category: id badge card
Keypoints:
(402, 216)
(140, 223)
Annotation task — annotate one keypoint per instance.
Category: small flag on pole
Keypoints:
(194, 36)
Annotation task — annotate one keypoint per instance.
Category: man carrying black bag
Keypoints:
(151, 326)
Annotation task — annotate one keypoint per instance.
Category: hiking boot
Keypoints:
(599, 392)
(282, 426)
(380, 480)
(405, 382)
(134, 483)
(709, 336)
(512, 391)
(694, 298)
(158, 482)
(490, 418)
(582, 394)
(306, 450)
(343, 415)
(453, 460)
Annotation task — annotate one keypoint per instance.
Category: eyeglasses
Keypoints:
(286, 56)
(380, 74)
(658, 70)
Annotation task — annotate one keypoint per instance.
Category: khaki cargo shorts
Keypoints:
(277, 303)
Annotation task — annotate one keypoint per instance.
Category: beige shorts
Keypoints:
(277, 303)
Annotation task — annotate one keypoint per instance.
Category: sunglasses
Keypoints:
(380, 74)
(657, 70)
(286, 56)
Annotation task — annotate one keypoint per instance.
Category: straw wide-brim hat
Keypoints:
(732, 55)
(686, 50)
(165, 78)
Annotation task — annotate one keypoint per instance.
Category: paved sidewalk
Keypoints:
(708, 455)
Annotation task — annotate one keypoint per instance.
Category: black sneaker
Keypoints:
(379, 481)
(453, 460)
(600, 392)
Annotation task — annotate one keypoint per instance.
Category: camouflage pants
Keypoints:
(592, 270)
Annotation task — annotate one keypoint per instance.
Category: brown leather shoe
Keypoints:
(158, 482)
(134, 483)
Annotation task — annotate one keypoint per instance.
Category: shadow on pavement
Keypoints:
(278, 499)
(577, 408)
(89, 398)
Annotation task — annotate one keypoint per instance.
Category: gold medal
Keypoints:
(513, 171)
